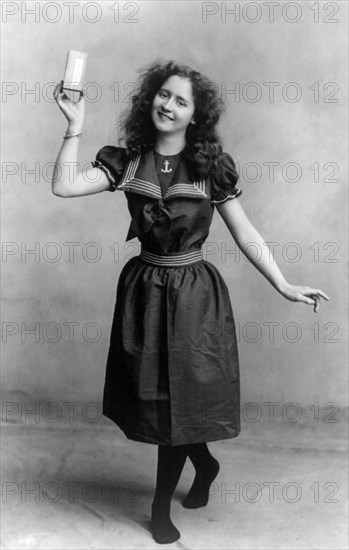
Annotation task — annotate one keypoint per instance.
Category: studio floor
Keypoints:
(281, 485)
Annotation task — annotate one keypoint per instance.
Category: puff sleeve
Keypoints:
(224, 180)
(112, 161)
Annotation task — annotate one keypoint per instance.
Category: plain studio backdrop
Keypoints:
(281, 69)
(282, 73)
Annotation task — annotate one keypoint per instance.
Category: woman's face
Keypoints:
(173, 106)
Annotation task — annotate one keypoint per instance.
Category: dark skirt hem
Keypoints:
(226, 434)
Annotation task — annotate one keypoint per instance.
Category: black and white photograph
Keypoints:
(174, 275)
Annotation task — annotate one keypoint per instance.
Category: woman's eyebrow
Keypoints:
(178, 96)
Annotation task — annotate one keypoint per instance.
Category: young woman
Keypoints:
(172, 372)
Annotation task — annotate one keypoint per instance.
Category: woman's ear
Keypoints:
(192, 121)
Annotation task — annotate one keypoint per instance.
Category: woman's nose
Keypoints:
(167, 104)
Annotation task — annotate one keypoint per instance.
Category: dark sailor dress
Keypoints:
(172, 374)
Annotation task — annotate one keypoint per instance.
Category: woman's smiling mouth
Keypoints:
(163, 116)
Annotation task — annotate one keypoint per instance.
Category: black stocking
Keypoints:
(170, 465)
(207, 468)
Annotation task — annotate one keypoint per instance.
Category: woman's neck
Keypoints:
(169, 145)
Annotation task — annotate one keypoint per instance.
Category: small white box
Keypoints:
(75, 70)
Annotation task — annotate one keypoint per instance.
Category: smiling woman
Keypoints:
(202, 145)
(172, 111)
(172, 375)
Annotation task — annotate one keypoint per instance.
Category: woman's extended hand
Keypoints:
(74, 111)
(304, 294)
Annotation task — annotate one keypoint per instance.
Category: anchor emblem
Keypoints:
(166, 171)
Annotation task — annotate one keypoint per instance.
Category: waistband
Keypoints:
(172, 260)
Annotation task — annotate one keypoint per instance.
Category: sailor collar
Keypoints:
(140, 176)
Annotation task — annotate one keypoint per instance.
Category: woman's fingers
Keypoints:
(74, 111)
(313, 297)
(322, 294)
(317, 305)
(315, 302)
(307, 295)
(56, 91)
(316, 291)
(61, 97)
(307, 299)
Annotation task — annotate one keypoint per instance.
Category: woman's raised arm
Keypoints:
(66, 180)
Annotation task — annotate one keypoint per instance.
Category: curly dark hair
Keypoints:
(203, 145)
